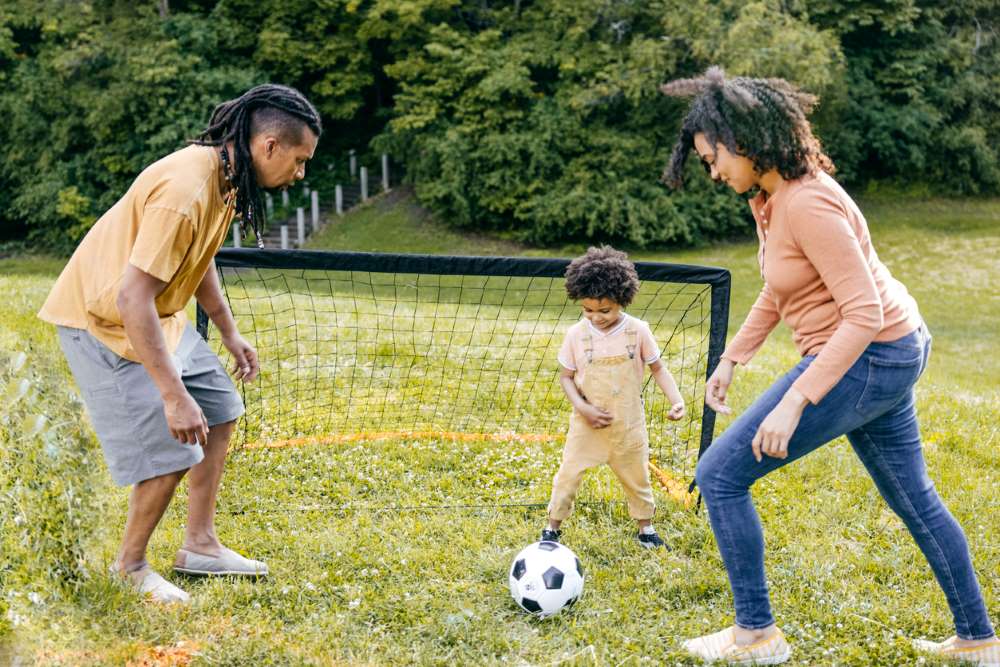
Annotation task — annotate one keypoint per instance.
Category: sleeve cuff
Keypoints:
(813, 391)
(741, 359)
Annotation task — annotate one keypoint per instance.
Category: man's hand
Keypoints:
(595, 416)
(185, 419)
(245, 364)
(718, 385)
(779, 426)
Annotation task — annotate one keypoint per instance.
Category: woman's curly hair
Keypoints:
(762, 119)
(602, 273)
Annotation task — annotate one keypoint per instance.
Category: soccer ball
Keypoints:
(545, 577)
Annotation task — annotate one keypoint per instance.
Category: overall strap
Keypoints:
(631, 345)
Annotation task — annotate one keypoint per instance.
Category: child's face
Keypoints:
(603, 313)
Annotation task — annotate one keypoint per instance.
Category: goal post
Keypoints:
(363, 346)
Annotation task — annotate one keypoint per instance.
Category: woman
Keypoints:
(863, 346)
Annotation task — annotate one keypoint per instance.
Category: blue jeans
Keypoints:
(874, 405)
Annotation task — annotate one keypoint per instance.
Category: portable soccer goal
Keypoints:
(358, 347)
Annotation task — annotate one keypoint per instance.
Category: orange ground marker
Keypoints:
(403, 435)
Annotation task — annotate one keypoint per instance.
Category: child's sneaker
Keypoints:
(984, 655)
(722, 646)
(549, 535)
(651, 541)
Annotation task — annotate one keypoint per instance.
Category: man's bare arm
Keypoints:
(142, 326)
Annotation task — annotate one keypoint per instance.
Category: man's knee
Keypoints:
(223, 427)
(169, 480)
(219, 438)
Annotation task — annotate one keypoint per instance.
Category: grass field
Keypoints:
(357, 578)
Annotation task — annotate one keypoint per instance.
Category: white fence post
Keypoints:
(305, 189)
(364, 183)
(353, 163)
(340, 200)
(284, 237)
(385, 172)
(236, 235)
(315, 210)
(284, 197)
(300, 219)
(269, 201)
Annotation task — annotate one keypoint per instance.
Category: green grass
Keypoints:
(394, 222)
(355, 584)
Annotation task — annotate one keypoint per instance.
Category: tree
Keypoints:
(92, 97)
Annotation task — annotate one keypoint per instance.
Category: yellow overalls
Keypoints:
(613, 384)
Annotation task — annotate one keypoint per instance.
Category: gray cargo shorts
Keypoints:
(126, 408)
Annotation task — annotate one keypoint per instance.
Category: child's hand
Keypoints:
(677, 411)
(596, 417)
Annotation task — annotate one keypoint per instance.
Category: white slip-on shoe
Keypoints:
(227, 563)
(722, 646)
(984, 655)
(147, 582)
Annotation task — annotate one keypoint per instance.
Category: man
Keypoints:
(158, 397)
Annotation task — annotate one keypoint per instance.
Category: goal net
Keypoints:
(362, 347)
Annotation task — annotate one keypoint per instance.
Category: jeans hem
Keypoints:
(755, 626)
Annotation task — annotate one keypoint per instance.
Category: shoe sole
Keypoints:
(219, 573)
(647, 545)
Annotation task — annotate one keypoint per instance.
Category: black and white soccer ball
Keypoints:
(545, 577)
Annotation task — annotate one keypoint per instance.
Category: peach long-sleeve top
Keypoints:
(824, 279)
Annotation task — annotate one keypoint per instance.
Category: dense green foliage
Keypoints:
(91, 97)
(536, 117)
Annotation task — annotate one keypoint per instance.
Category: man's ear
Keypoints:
(270, 145)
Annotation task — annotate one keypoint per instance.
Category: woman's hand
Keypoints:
(718, 385)
(677, 411)
(779, 426)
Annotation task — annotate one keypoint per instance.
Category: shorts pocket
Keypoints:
(103, 391)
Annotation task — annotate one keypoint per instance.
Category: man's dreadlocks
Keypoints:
(269, 107)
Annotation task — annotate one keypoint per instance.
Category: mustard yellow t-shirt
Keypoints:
(170, 224)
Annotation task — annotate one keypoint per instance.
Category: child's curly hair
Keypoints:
(602, 273)
(762, 119)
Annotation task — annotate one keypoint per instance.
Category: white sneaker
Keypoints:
(152, 585)
(227, 563)
(722, 646)
(984, 655)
